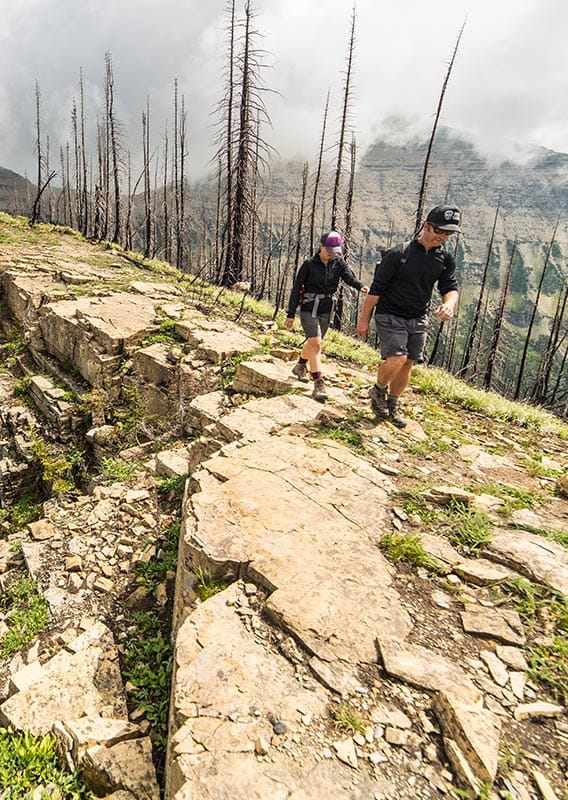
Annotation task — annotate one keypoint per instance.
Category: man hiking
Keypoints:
(401, 294)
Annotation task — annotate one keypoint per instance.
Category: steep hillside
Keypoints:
(16, 193)
(356, 611)
(533, 193)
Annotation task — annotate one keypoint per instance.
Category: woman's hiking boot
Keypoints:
(319, 392)
(379, 401)
(300, 371)
(395, 415)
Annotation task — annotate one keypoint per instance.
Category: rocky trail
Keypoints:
(392, 609)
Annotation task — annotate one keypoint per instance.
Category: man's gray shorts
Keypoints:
(401, 337)
(314, 326)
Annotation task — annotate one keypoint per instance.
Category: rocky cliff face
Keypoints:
(372, 635)
(531, 192)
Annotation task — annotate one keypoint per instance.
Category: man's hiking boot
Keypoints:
(319, 392)
(300, 371)
(379, 401)
(395, 415)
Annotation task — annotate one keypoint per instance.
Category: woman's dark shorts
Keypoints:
(314, 326)
(401, 337)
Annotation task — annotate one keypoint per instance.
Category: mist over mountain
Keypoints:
(531, 185)
(523, 196)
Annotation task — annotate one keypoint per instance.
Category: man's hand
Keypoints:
(289, 323)
(363, 329)
(444, 312)
(363, 326)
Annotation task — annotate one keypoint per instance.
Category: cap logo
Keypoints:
(451, 215)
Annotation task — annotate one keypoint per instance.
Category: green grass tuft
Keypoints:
(408, 548)
(206, 585)
(28, 615)
(28, 762)
(348, 719)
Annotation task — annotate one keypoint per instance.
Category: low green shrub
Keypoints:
(29, 762)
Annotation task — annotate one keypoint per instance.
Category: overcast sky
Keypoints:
(509, 83)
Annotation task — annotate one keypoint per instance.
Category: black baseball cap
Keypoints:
(447, 218)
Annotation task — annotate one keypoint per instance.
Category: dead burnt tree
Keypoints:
(36, 206)
(498, 323)
(166, 225)
(317, 179)
(225, 157)
(520, 374)
(36, 211)
(249, 150)
(85, 222)
(424, 181)
(102, 192)
(558, 398)
(300, 222)
(339, 305)
(148, 247)
(65, 185)
(179, 176)
(241, 208)
(468, 349)
(556, 337)
(76, 205)
(114, 148)
(343, 128)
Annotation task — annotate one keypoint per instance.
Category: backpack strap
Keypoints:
(309, 296)
(404, 249)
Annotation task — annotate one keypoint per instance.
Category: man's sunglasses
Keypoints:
(440, 232)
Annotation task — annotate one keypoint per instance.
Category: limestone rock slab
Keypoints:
(72, 684)
(288, 515)
(228, 690)
(540, 558)
(216, 340)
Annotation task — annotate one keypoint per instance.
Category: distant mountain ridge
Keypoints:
(531, 185)
(16, 193)
(532, 193)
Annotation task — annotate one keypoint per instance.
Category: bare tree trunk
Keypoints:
(540, 389)
(424, 183)
(36, 213)
(344, 120)
(533, 316)
(148, 222)
(64, 185)
(339, 305)
(228, 255)
(85, 201)
(298, 243)
(318, 176)
(35, 209)
(48, 171)
(248, 148)
(165, 201)
(243, 153)
(180, 192)
(114, 149)
(76, 154)
(217, 247)
(498, 323)
(476, 314)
